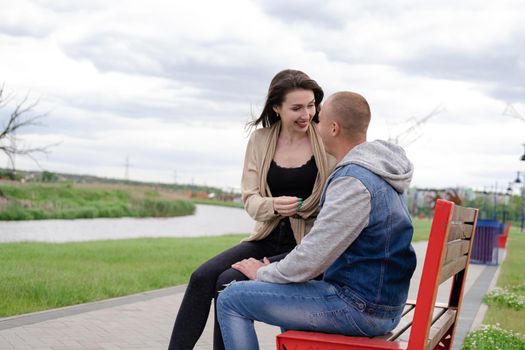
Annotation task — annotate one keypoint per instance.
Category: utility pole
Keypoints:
(126, 171)
(13, 159)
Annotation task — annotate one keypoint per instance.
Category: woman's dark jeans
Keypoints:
(212, 277)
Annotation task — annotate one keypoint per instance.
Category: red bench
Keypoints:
(424, 324)
(502, 239)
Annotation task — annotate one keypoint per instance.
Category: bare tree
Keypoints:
(412, 133)
(512, 112)
(21, 117)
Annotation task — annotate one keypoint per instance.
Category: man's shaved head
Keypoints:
(351, 111)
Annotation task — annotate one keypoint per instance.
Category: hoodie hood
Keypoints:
(384, 159)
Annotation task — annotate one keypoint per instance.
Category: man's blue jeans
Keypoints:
(310, 306)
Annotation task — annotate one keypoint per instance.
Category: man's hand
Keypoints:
(250, 266)
(285, 205)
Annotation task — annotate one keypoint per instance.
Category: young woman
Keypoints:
(285, 168)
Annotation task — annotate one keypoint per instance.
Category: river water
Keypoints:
(208, 220)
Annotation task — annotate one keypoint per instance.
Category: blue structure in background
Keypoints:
(485, 245)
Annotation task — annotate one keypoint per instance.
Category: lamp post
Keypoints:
(522, 193)
(518, 181)
(506, 198)
(484, 211)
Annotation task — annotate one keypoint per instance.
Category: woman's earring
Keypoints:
(277, 115)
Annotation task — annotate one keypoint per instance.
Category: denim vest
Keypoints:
(374, 272)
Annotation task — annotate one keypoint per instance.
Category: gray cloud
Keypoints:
(206, 106)
(140, 157)
(19, 29)
(393, 34)
(118, 52)
(500, 66)
(308, 12)
(237, 81)
(335, 15)
(234, 86)
(26, 19)
(67, 6)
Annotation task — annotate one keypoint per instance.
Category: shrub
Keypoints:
(14, 211)
(164, 208)
(48, 176)
(64, 201)
(506, 297)
(492, 337)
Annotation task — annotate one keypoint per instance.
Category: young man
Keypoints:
(360, 240)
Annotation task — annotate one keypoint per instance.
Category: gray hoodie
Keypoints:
(345, 213)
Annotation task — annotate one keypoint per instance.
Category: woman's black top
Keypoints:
(296, 182)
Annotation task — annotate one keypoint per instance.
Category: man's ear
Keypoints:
(335, 128)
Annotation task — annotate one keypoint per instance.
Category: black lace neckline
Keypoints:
(299, 167)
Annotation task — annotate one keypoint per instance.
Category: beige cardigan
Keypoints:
(256, 194)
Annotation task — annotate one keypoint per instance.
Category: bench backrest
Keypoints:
(448, 255)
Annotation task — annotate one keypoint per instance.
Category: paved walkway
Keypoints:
(144, 321)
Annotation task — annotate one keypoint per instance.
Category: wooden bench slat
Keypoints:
(452, 267)
(440, 327)
(402, 331)
(456, 248)
(404, 324)
(463, 214)
(460, 231)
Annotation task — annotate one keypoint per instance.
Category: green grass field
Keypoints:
(504, 323)
(511, 278)
(421, 229)
(40, 276)
(218, 203)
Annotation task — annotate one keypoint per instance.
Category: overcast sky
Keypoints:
(171, 84)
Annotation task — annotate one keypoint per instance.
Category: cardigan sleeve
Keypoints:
(258, 207)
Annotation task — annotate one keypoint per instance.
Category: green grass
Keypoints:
(67, 201)
(421, 229)
(493, 338)
(218, 203)
(505, 310)
(504, 322)
(40, 276)
(508, 297)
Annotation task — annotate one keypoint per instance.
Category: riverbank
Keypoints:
(67, 200)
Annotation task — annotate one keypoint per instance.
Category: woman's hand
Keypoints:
(250, 266)
(286, 206)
